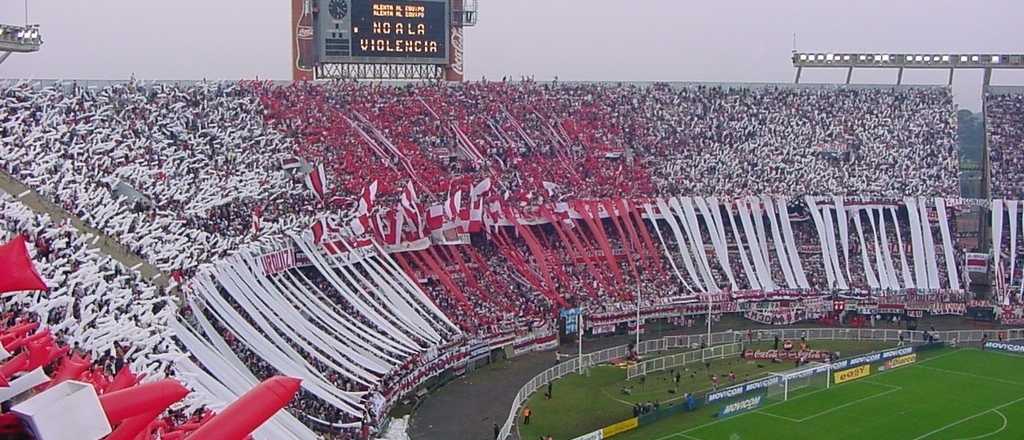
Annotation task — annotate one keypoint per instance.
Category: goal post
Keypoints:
(811, 377)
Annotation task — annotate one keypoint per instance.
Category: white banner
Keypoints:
(947, 245)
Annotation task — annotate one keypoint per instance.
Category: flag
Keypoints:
(454, 203)
(494, 213)
(381, 228)
(550, 187)
(368, 198)
(476, 204)
(316, 181)
(257, 219)
(318, 231)
(396, 228)
(435, 218)
(976, 262)
(19, 272)
(411, 209)
(361, 223)
(289, 163)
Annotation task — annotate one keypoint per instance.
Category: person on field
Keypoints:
(526, 415)
(497, 431)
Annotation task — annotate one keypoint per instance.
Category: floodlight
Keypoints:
(846, 58)
(945, 58)
(885, 58)
(863, 58)
(928, 58)
(829, 57)
(803, 57)
(974, 58)
(995, 59)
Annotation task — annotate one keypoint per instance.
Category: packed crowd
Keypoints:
(95, 304)
(1004, 120)
(556, 141)
(186, 175)
(191, 164)
(113, 324)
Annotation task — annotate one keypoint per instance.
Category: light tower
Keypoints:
(903, 60)
(20, 39)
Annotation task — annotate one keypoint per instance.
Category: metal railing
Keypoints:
(557, 372)
(685, 358)
(732, 338)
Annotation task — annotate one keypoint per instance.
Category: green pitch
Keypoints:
(584, 404)
(951, 394)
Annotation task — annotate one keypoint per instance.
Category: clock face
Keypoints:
(338, 9)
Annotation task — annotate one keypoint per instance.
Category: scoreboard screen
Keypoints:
(385, 31)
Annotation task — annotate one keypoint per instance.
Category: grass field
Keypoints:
(584, 404)
(963, 394)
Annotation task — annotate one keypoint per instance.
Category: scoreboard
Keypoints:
(383, 31)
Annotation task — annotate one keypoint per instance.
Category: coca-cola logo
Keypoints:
(305, 32)
(457, 50)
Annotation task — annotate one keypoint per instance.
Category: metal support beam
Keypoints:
(899, 79)
(4, 57)
(988, 77)
(849, 74)
(910, 60)
(950, 82)
(799, 70)
(408, 72)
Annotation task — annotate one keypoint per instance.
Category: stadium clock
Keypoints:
(338, 9)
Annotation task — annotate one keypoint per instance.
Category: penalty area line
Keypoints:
(968, 418)
(1001, 428)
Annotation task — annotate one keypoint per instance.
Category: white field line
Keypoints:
(836, 408)
(892, 389)
(929, 434)
(1005, 422)
(976, 376)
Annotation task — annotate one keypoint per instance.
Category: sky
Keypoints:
(610, 40)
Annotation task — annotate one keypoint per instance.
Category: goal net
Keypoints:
(810, 377)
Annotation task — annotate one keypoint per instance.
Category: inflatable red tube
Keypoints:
(123, 379)
(14, 365)
(39, 354)
(142, 399)
(43, 335)
(250, 411)
(70, 369)
(56, 353)
(132, 426)
(12, 334)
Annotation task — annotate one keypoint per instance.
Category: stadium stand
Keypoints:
(367, 238)
(1004, 117)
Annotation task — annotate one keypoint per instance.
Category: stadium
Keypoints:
(381, 248)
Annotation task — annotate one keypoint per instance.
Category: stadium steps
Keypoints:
(105, 244)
